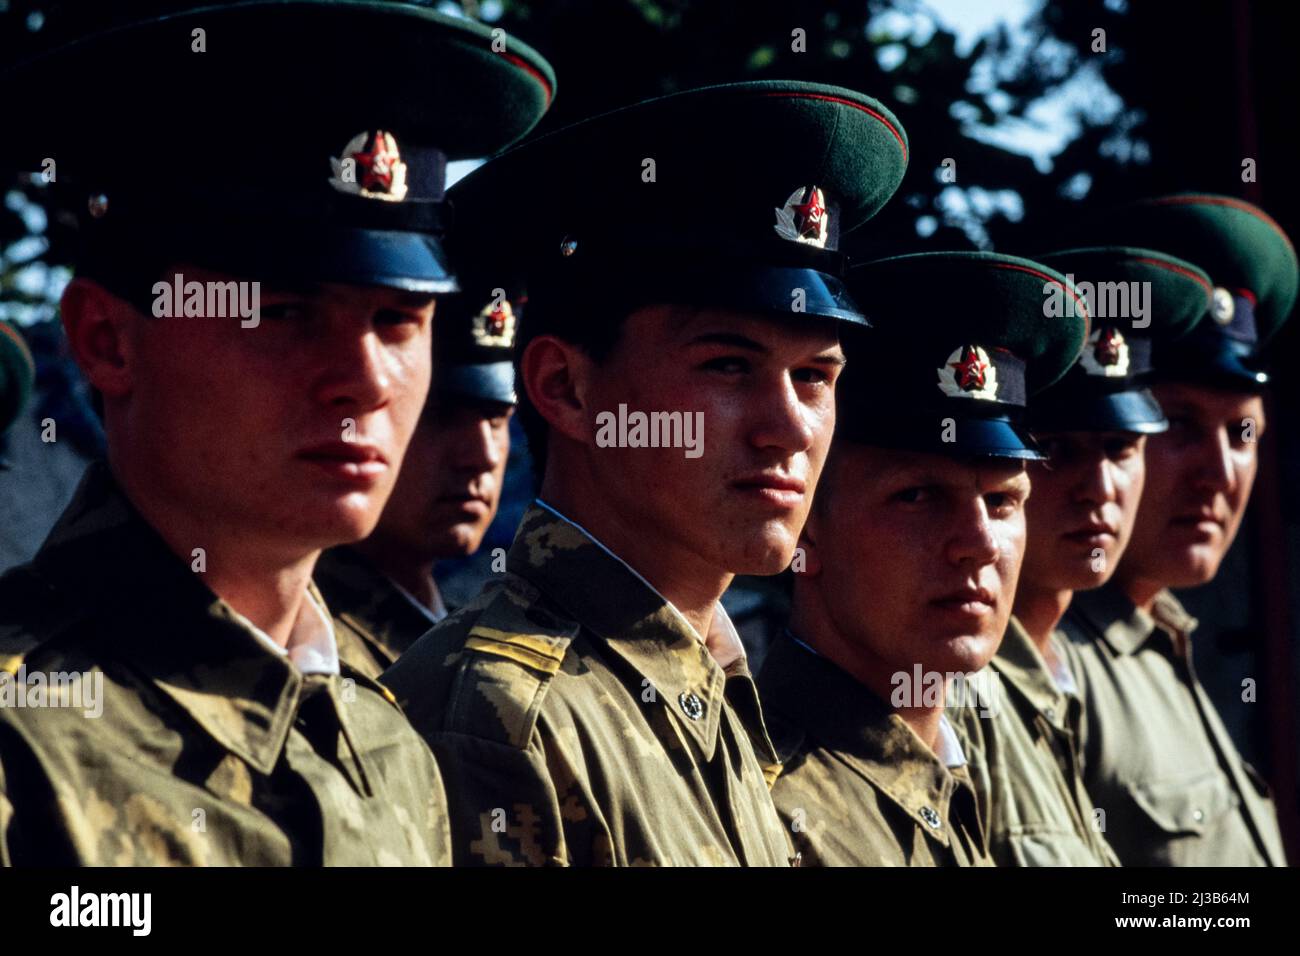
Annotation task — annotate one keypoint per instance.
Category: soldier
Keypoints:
(382, 590)
(1092, 427)
(1156, 756)
(678, 364)
(258, 329)
(911, 555)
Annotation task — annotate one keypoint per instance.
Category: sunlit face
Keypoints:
(289, 432)
(917, 556)
(1084, 504)
(1199, 477)
(450, 484)
(762, 390)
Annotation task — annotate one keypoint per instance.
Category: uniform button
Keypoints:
(930, 817)
(1051, 713)
(1198, 815)
(692, 706)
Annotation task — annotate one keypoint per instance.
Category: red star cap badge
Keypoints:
(808, 214)
(969, 369)
(1108, 347)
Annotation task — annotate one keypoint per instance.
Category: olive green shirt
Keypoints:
(1156, 757)
(579, 719)
(1024, 766)
(376, 621)
(857, 786)
(208, 747)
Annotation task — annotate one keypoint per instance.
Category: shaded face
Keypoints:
(1199, 476)
(290, 431)
(757, 392)
(918, 556)
(450, 484)
(1084, 504)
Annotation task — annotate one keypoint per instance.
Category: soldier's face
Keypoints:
(1084, 504)
(1199, 477)
(450, 483)
(757, 395)
(288, 432)
(914, 558)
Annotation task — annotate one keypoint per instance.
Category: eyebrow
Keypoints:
(739, 341)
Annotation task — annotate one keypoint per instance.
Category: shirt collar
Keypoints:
(808, 699)
(312, 646)
(604, 594)
(153, 612)
(1110, 614)
(1021, 665)
(369, 602)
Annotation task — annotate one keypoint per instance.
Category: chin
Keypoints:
(765, 555)
(964, 654)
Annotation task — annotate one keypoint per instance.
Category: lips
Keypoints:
(1197, 517)
(773, 488)
(1091, 530)
(353, 461)
(967, 600)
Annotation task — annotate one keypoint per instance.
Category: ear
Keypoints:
(96, 323)
(557, 377)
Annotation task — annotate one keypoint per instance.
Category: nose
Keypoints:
(478, 446)
(1097, 483)
(354, 368)
(1214, 471)
(783, 421)
(971, 541)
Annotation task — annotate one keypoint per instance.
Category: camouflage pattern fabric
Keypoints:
(207, 747)
(1024, 767)
(579, 719)
(374, 620)
(858, 787)
(1156, 756)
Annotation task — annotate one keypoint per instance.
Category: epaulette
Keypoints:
(512, 650)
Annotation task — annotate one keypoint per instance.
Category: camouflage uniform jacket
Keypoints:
(579, 719)
(858, 787)
(1024, 765)
(375, 620)
(1156, 756)
(209, 748)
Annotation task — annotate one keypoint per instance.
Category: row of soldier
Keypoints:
(944, 453)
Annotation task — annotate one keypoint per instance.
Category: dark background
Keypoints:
(1041, 128)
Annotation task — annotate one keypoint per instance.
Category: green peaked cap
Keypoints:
(1250, 261)
(729, 196)
(1140, 301)
(300, 140)
(960, 343)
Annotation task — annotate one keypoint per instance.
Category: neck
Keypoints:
(415, 576)
(1141, 590)
(1039, 610)
(688, 581)
(266, 585)
(812, 625)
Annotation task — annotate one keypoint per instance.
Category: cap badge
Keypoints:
(371, 167)
(1223, 308)
(804, 218)
(494, 326)
(1106, 353)
(968, 373)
